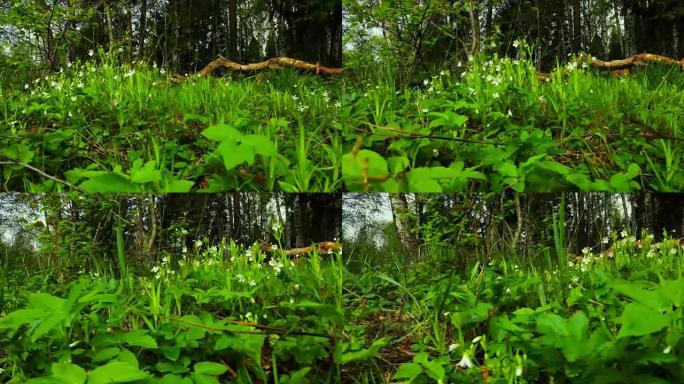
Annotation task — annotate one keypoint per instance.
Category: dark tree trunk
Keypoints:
(576, 26)
(143, 29)
(232, 30)
(404, 225)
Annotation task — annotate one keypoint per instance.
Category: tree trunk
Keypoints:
(576, 26)
(490, 11)
(300, 208)
(519, 224)
(232, 30)
(236, 217)
(110, 26)
(403, 223)
(475, 28)
(143, 29)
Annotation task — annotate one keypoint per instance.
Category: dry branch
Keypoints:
(620, 67)
(275, 63)
(630, 62)
(324, 247)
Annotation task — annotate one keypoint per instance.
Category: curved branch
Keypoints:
(275, 63)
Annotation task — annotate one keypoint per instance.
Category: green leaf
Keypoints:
(364, 354)
(640, 320)
(23, 316)
(408, 371)
(552, 324)
(225, 341)
(261, 145)
(210, 368)
(365, 163)
(70, 373)
(221, 132)
(398, 164)
(109, 182)
(145, 174)
(435, 370)
(174, 379)
(234, 154)
(139, 338)
(115, 372)
(20, 152)
(178, 186)
(299, 377)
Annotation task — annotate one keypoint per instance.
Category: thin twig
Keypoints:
(34, 169)
(416, 135)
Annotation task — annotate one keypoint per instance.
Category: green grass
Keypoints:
(492, 124)
(111, 128)
(603, 318)
(223, 313)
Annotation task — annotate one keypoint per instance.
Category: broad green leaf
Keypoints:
(115, 372)
(110, 182)
(221, 132)
(20, 152)
(552, 324)
(299, 377)
(145, 174)
(139, 338)
(364, 354)
(69, 373)
(408, 371)
(178, 186)
(23, 316)
(174, 379)
(435, 370)
(261, 145)
(210, 368)
(365, 163)
(640, 320)
(234, 154)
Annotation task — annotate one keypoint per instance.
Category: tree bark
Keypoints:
(576, 26)
(232, 30)
(403, 225)
(110, 26)
(143, 29)
(475, 28)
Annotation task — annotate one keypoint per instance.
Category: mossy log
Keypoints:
(275, 63)
(322, 248)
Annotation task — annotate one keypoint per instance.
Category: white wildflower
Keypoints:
(465, 361)
(453, 347)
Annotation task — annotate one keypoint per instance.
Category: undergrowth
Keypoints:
(105, 127)
(228, 314)
(493, 123)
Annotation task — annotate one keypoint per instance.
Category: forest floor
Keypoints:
(487, 126)
(111, 128)
(494, 124)
(609, 317)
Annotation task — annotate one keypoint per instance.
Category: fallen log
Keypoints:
(630, 62)
(274, 63)
(325, 247)
(623, 66)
